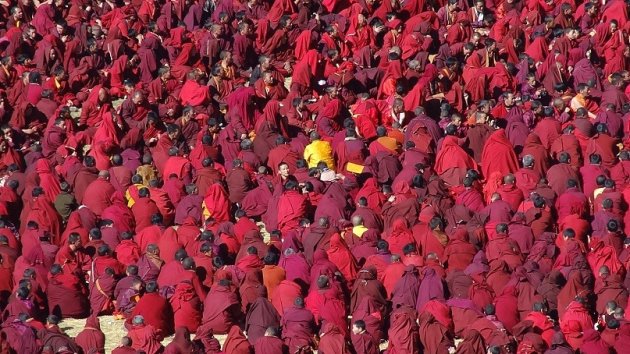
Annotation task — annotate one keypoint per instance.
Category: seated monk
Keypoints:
(67, 294)
(582, 100)
(194, 94)
(221, 308)
(102, 293)
(574, 322)
(185, 272)
(93, 109)
(268, 88)
(103, 260)
(146, 213)
(144, 337)
(134, 110)
(150, 263)
(155, 310)
(160, 93)
(72, 257)
(91, 338)
(55, 338)
(124, 347)
(127, 296)
(127, 252)
(186, 307)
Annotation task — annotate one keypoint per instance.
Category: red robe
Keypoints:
(157, 312)
(498, 155)
(146, 338)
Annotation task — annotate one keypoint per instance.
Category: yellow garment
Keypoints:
(359, 230)
(130, 200)
(319, 150)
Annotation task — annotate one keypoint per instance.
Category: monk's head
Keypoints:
(604, 272)
(245, 28)
(480, 6)
(264, 62)
(358, 327)
(138, 97)
(153, 249)
(283, 170)
(539, 307)
(138, 320)
(322, 282)
(125, 342)
(568, 233)
(572, 33)
(452, 5)
(97, 31)
(132, 270)
(173, 131)
(409, 250)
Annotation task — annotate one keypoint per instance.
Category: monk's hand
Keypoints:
(243, 136)
(391, 198)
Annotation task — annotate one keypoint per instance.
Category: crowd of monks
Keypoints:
(335, 176)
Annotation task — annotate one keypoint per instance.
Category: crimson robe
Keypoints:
(157, 312)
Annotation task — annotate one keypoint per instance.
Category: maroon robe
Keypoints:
(157, 312)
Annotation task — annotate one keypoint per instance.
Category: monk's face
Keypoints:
(53, 54)
(480, 6)
(3, 146)
(613, 27)
(361, 19)
(509, 100)
(265, 64)
(246, 30)
(138, 99)
(18, 14)
(284, 171)
(268, 79)
(97, 32)
(31, 34)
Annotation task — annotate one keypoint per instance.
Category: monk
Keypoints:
(452, 162)
(144, 336)
(498, 155)
(144, 210)
(186, 306)
(155, 309)
(558, 175)
(292, 207)
(221, 308)
(91, 337)
(67, 297)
